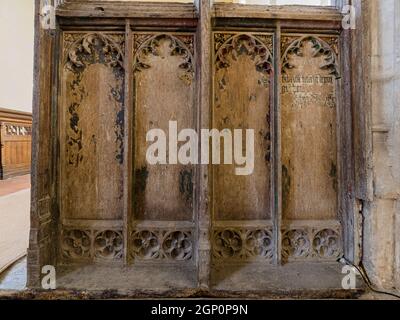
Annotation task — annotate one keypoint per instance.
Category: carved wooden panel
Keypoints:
(164, 91)
(309, 148)
(309, 141)
(242, 86)
(311, 240)
(92, 126)
(164, 87)
(88, 244)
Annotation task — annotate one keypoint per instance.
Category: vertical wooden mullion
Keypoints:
(56, 148)
(277, 165)
(41, 245)
(204, 103)
(127, 176)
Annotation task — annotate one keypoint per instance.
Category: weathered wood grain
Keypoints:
(309, 136)
(92, 131)
(129, 9)
(242, 101)
(163, 92)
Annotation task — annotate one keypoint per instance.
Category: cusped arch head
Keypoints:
(151, 46)
(245, 43)
(94, 48)
(321, 48)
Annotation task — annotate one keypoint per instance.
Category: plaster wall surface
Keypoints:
(16, 54)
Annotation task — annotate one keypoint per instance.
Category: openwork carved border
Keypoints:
(145, 45)
(243, 244)
(81, 51)
(170, 245)
(226, 45)
(86, 244)
(320, 47)
(301, 243)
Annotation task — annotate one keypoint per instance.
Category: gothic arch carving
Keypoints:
(95, 48)
(83, 50)
(151, 46)
(252, 46)
(321, 48)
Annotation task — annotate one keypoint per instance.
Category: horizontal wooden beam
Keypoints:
(83, 23)
(303, 26)
(234, 10)
(126, 9)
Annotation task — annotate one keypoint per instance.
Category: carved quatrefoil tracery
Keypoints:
(306, 243)
(76, 244)
(86, 244)
(326, 244)
(243, 244)
(108, 245)
(160, 244)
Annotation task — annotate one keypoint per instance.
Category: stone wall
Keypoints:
(381, 256)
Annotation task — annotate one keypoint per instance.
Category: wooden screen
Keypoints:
(92, 145)
(163, 73)
(117, 82)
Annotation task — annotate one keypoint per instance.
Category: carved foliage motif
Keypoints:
(242, 244)
(229, 48)
(89, 244)
(95, 48)
(182, 46)
(81, 51)
(294, 46)
(304, 243)
(162, 244)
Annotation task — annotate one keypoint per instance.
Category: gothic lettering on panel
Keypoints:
(310, 74)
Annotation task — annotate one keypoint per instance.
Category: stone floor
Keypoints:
(15, 184)
(14, 219)
(14, 278)
(12, 285)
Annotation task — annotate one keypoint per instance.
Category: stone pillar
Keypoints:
(382, 215)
